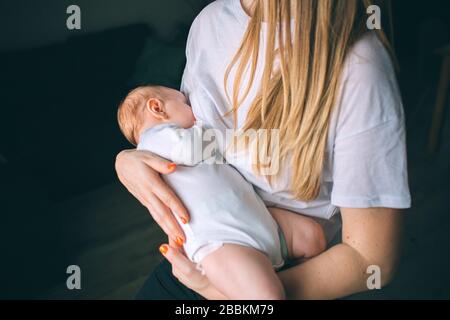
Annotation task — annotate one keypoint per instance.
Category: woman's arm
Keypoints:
(369, 237)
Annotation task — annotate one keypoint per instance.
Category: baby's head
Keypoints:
(147, 106)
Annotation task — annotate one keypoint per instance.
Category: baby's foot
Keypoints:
(304, 236)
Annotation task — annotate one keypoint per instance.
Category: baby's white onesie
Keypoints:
(223, 206)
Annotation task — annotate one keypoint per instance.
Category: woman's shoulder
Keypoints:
(370, 95)
(212, 11)
(216, 28)
(369, 62)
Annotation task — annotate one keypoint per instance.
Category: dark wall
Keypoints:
(28, 23)
(59, 134)
(420, 28)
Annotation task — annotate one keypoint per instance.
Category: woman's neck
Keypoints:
(249, 6)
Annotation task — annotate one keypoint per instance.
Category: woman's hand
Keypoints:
(187, 273)
(139, 173)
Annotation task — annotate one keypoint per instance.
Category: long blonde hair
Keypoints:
(297, 95)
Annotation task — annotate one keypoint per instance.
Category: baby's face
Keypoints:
(177, 108)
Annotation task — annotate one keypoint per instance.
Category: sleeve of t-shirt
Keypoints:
(369, 156)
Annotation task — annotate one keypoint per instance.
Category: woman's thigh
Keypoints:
(162, 285)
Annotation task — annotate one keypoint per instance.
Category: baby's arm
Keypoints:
(179, 145)
(304, 236)
(187, 146)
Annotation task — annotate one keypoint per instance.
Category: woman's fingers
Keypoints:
(159, 164)
(174, 228)
(162, 190)
(178, 261)
(183, 269)
(168, 197)
(164, 218)
(139, 172)
(176, 245)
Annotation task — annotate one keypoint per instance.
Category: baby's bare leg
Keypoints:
(304, 236)
(243, 273)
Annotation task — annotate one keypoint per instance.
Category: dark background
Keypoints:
(60, 202)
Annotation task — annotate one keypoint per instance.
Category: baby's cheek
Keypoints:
(189, 115)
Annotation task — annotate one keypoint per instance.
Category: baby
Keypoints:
(231, 235)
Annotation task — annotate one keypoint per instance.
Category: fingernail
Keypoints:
(179, 241)
(164, 248)
(183, 220)
(171, 166)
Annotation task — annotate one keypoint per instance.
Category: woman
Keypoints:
(312, 70)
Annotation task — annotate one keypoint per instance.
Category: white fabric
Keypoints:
(223, 206)
(366, 153)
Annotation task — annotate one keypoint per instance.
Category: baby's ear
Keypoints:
(156, 108)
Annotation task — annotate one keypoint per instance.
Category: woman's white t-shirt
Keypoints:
(366, 154)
